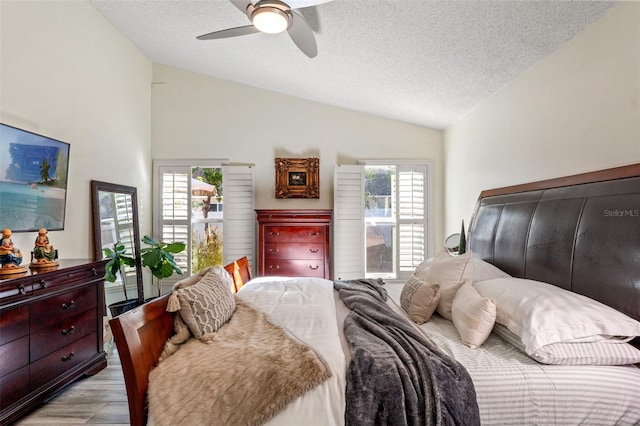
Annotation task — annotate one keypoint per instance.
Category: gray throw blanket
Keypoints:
(397, 376)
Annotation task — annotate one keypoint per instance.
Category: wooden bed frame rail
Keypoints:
(140, 336)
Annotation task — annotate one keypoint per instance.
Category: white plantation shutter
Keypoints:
(173, 222)
(411, 217)
(348, 222)
(239, 220)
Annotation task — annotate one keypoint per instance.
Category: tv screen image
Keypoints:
(33, 180)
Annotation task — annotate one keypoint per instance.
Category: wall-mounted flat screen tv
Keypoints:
(33, 180)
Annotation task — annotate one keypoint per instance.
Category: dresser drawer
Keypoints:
(58, 362)
(281, 234)
(294, 268)
(13, 292)
(66, 278)
(294, 251)
(14, 386)
(14, 323)
(62, 307)
(14, 355)
(61, 334)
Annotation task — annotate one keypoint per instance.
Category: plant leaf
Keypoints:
(175, 247)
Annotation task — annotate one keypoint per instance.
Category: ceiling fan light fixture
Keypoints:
(270, 20)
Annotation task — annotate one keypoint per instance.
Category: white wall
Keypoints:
(69, 74)
(576, 110)
(196, 116)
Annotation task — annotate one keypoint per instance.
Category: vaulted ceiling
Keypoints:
(418, 61)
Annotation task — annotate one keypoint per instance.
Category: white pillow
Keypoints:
(483, 271)
(542, 314)
(473, 316)
(614, 352)
(450, 273)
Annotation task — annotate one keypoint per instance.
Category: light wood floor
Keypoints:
(97, 400)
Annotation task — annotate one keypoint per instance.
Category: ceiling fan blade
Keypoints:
(241, 5)
(230, 32)
(302, 35)
(299, 4)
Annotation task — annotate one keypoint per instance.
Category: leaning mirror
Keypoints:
(115, 218)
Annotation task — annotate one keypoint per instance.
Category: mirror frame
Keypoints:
(96, 188)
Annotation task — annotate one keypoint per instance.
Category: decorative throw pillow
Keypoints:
(419, 299)
(422, 268)
(450, 273)
(473, 316)
(206, 305)
(194, 279)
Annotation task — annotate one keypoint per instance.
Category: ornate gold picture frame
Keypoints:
(297, 178)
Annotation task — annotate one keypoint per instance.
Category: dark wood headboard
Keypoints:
(581, 233)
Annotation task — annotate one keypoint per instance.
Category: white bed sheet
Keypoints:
(514, 389)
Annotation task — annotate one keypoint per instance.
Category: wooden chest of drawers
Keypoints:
(294, 243)
(50, 333)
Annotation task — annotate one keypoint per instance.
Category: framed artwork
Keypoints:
(297, 178)
(33, 180)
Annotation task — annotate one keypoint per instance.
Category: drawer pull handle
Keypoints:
(67, 358)
(43, 284)
(274, 234)
(21, 289)
(313, 234)
(314, 250)
(94, 272)
(274, 267)
(313, 268)
(68, 331)
(274, 250)
(69, 306)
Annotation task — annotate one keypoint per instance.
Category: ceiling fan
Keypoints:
(272, 17)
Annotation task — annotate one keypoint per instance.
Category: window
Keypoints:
(188, 207)
(382, 220)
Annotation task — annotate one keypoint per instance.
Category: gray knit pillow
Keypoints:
(206, 305)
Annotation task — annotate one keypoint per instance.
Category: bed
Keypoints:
(579, 233)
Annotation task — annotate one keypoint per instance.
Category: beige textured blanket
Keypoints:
(246, 375)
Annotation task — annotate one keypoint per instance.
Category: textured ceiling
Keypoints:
(418, 61)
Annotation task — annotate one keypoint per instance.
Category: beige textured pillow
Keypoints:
(450, 272)
(473, 316)
(419, 299)
(195, 279)
(206, 305)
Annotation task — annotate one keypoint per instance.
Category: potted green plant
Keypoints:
(118, 258)
(158, 257)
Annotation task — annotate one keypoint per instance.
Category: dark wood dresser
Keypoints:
(50, 332)
(294, 243)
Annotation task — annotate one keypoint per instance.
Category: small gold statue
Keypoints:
(10, 256)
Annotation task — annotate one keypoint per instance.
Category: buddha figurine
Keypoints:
(10, 256)
(43, 251)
